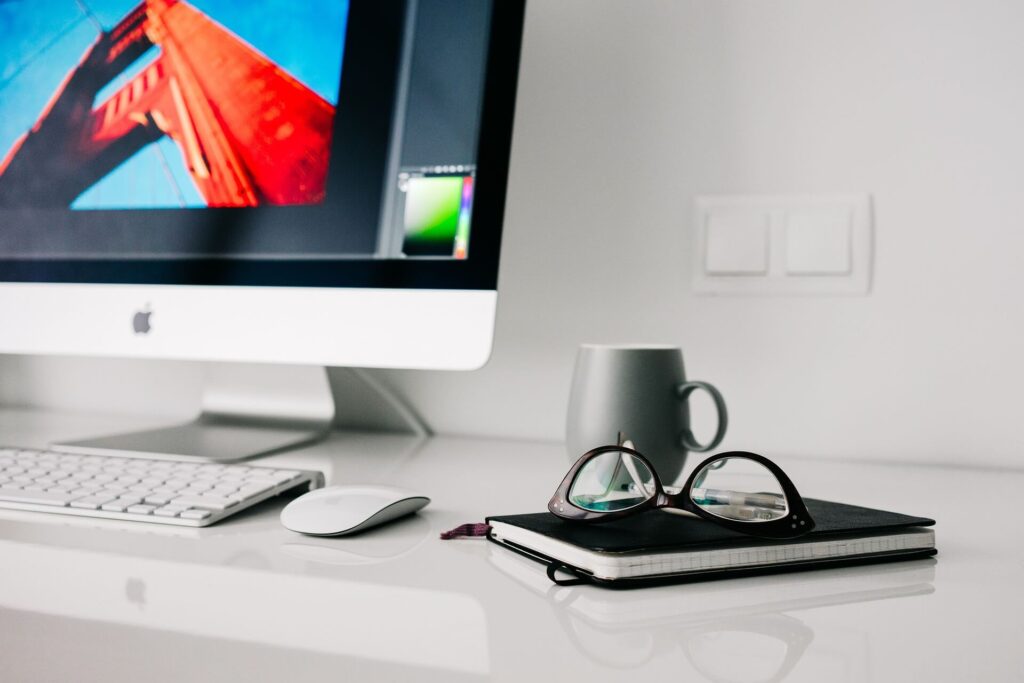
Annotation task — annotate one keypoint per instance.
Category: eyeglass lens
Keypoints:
(615, 480)
(739, 489)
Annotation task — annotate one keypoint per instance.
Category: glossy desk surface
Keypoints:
(91, 600)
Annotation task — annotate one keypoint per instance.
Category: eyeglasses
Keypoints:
(741, 491)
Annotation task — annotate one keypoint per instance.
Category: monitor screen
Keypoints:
(335, 143)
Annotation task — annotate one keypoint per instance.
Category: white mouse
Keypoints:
(340, 510)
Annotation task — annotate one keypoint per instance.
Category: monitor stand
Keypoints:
(249, 411)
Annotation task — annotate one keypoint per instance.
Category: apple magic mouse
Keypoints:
(340, 510)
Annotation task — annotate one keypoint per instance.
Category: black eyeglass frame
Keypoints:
(797, 521)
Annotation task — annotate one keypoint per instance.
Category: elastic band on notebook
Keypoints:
(556, 567)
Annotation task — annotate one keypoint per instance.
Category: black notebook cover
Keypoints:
(658, 531)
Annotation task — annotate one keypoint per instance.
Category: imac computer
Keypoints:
(272, 187)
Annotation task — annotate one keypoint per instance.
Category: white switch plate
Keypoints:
(818, 241)
(737, 243)
(814, 244)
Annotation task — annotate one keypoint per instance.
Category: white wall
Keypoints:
(630, 108)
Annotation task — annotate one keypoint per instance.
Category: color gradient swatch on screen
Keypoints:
(433, 206)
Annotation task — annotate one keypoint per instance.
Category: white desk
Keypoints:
(85, 600)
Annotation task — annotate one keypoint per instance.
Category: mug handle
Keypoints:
(683, 392)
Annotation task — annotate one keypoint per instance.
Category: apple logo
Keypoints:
(140, 322)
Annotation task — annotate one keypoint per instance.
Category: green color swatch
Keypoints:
(432, 208)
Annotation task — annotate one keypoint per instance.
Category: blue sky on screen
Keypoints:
(40, 42)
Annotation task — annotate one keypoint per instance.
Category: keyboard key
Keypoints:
(114, 506)
(158, 499)
(36, 497)
(91, 502)
(270, 483)
(169, 511)
(195, 514)
(206, 502)
(141, 509)
(86, 490)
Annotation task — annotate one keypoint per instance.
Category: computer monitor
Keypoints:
(315, 183)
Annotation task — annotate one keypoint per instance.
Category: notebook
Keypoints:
(660, 547)
(607, 610)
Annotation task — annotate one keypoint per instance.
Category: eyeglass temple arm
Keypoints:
(771, 501)
(637, 479)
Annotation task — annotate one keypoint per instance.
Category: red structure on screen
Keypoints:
(249, 132)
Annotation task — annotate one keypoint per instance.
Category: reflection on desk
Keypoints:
(243, 604)
(626, 629)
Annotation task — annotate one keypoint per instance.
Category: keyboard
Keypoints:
(158, 491)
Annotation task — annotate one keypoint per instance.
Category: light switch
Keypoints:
(818, 241)
(736, 242)
(783, 244)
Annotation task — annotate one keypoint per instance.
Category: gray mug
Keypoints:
(641, 392)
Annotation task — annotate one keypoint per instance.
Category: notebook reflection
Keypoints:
(736, 631)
